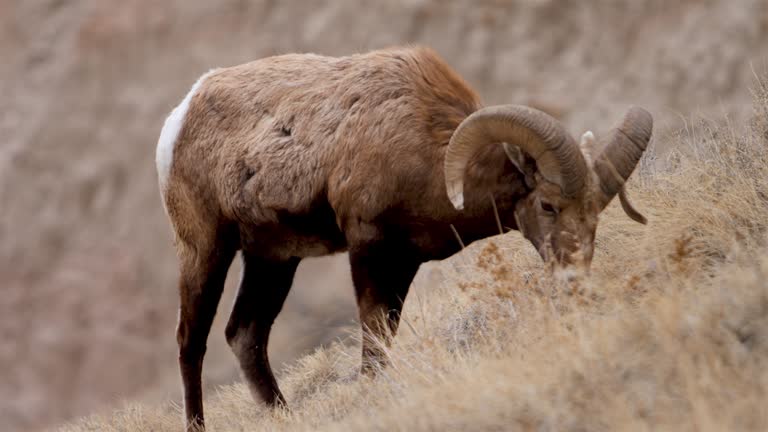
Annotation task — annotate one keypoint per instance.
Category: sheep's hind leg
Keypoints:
(200, 288)
(382, 272)
(263, 289)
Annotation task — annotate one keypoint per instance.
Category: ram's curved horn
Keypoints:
(624, 146)
(536, 133)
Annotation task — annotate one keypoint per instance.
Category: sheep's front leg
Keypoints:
(264, 286)
(382, 271)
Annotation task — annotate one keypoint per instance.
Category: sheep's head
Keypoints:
(569, 188)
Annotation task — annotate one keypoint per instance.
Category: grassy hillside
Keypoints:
(669, 332)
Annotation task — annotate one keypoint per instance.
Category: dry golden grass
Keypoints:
(670, 332)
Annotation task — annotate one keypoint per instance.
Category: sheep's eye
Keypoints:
(547, 207)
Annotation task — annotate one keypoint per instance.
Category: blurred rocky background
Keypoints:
(87, 270)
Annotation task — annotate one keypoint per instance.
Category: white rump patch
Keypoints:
(170, 133)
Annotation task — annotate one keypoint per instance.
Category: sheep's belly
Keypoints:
(307, 235)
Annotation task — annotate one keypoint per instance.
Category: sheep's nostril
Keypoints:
(570, 272)
(565, 274)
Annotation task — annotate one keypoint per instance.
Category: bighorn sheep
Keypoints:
(380, 154)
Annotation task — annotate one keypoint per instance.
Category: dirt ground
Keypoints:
(87, 270)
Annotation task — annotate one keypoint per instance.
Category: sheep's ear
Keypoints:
(517, 157)
(587, 145)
